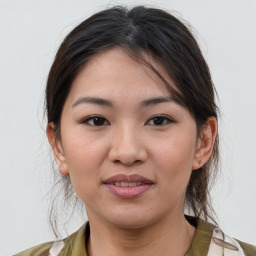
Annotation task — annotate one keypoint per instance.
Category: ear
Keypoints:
(205, 143)
(57, 149)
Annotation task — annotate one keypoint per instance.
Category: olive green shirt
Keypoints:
(208, 241)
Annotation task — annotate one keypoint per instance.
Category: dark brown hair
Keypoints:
(142, 31)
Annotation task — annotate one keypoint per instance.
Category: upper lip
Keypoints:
(128, 178)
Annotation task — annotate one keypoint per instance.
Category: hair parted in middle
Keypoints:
(143, 33)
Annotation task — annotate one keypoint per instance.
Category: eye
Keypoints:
(95, 121)
(159, 120)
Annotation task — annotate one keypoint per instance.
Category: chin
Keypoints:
(132, 223)
(131, 219)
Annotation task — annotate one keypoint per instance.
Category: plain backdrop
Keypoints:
(30, 33)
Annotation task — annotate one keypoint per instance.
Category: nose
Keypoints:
(127, 147)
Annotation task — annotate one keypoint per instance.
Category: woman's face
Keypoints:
(128, 147)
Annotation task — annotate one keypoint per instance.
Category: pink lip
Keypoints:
(128, 192)
(128, 178)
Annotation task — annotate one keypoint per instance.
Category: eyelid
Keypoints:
(91, 117)
(168, 118)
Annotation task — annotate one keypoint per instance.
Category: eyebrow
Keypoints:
(104, 102)
(93, 100)
(155, 101)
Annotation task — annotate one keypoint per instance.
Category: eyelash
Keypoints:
(167, 120)
(93, 118)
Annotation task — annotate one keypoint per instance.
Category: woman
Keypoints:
(132, 123)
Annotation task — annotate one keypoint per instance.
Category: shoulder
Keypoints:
(212, 241)
(46, 249)
(222, 244)
(249, 249)
(72, 245)
(39, 250)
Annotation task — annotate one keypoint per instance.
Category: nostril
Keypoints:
(128, 163)
(127, 154)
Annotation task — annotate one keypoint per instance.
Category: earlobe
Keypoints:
(57, 149)
(63, 171)
(205, 143)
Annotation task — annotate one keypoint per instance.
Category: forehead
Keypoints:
(114, 72)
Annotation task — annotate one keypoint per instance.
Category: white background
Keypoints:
(31, 31)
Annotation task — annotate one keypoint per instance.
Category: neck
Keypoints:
(166, 238)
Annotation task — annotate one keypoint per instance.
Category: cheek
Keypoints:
(179, 151)
(175, 159)
(84, 157)
(82, 152)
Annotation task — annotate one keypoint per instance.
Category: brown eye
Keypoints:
(159, 120)
(95, 121)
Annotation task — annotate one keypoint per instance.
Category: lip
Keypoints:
(128, 178)
(128, 192)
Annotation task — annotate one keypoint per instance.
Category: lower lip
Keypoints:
(128, 192)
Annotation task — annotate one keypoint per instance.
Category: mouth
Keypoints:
(128, 187)
(126, 184)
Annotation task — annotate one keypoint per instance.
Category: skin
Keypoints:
(129, 140)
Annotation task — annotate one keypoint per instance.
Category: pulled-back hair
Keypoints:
(141, 32)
